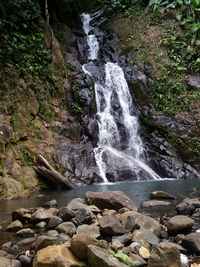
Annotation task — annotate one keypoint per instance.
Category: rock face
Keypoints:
(58, 256)
(110, 200)
(99, 257)
(179, 223)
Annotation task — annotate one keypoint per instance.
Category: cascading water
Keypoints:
(119, 144)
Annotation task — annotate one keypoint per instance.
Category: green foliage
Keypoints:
(27, 52)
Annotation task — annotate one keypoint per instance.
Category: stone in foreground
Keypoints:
(99, 257)
(192, 243)
(110, 200)
(164, 258)
(59, 256)
(179, 223)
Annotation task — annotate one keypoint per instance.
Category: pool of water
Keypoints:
(138, 191)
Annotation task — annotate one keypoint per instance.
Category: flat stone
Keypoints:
(110, 200)
(67, 228)
(155, 203)
(41, 225)
(161, 195)
(179, 223)
(171, 245)
(26, 232)
(53, 233)
(99, 257)
(90, 230)
(14, 226)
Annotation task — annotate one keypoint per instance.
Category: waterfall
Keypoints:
(119, 144)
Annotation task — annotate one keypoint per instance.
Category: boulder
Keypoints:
(58, 256)
(100, 257)
(144, 222)
(14, 226)
(179, 223)
(192, 243)
(110, 200)
(80, 243)
(51, 204)
(67, 228)
(164, 258)
(110, 225)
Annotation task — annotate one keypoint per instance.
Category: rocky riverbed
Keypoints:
(105, 229)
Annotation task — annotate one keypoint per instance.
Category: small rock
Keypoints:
(26, 232)
(41, 225)
(110, 200)
(155, 203)
(44, 241)
(193, 81)
(14, 226)
(179, 223)
(53, 233)
(67, 228)
(90, 230)
(23, 215)
(66, 214)
(144, 253)
(188, 205)
(123, 239)
(53, 222)
(51, 204)
(44, 214)
(161, 195)
(116, 245)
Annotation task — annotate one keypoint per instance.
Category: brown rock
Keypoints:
(110, 225)
(164, 258)
(58, 256)
(110, 200)
(179, 223)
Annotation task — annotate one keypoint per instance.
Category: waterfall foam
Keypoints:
(119, 144)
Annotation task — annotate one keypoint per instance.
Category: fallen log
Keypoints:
(45, 170)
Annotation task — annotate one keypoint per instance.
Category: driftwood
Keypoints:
(44, 169)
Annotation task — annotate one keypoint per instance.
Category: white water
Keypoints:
(115, 90)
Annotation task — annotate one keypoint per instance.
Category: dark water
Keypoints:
(138, 191)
